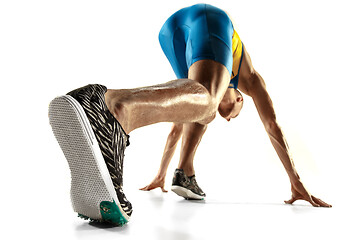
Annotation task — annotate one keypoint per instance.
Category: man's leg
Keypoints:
(93, 109)
(184, 182)
(181, 101)
(192, 134)
(93, 143)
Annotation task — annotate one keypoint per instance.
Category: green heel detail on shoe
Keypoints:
(110, 212)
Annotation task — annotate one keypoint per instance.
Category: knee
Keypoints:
(211, 110)
(202, 102)
(208, 119)
(213, 104)
(207, 103)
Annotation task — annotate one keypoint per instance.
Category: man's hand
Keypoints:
(300, 193)
(157, 182)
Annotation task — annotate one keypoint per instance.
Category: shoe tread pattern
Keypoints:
(88, 189)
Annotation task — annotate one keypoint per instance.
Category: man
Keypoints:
(92, 123)
(185, 39)
(243, 77)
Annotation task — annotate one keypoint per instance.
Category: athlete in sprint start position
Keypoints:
(92, 123)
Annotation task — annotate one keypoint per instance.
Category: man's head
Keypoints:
(231, 104)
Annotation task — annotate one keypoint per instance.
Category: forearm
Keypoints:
(267, 115)
(298, 190)
(282, 149)
(167, 156)
(170, 147)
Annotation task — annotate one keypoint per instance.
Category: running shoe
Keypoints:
(93, 143)
(186, 187)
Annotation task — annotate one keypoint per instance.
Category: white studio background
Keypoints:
(307, 52)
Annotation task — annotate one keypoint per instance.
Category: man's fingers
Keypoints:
(290, 201)
(147, 188)
(144, 188)
(308, 198)
(312, 202)
(316, 202)
(151, 187)
(321, 202)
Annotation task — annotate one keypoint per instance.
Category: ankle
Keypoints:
(117, 108)
(109, 100)
(188, 171)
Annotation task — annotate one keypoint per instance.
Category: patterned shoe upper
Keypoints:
(180, 179)
(110, 135)
(195, 187)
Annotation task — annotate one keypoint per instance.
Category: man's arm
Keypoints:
(266, 112)
(253, 85)
(170, 147)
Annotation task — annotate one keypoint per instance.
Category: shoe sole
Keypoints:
(186, 193)
(92, 192)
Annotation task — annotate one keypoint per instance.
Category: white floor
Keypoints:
(166, 216)
(244, 201)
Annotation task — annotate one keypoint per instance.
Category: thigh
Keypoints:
(213, 75)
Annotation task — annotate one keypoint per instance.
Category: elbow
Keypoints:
(272, 127)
